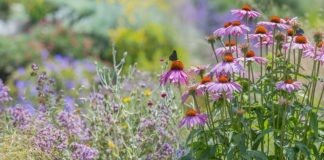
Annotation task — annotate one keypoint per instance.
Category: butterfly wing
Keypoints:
(173, 56)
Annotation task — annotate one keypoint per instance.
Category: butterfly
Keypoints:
(173, 56)
(299, 31)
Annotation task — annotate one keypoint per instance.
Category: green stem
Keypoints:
(213, 48)
(298, 64)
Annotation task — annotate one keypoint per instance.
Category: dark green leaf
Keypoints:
(314, 123)
(257, 155)
(291, 153)
(303, 148)
(261, 135)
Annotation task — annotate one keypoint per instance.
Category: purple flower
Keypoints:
(309, 52)
(229, 65)
(175, 75)
(4, 96)
(34, 66)
(288, 85)
(83, 152)
(275, 21)
(72, 124)
(250, 56)
(237, 29)
(289, 21)
(246, 11)
(300, 42)
(222, 31)
(197, 90)
(222, 85)
(223, 50)
(50, 139)
(192, 118)
(21, 116)
(199, 70)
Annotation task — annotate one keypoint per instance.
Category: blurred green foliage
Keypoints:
(90, 28)
(145, 45)
(15, 52)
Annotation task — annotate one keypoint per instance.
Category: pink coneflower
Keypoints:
(275, 21)
(299, 42)
(266, 41)
(192, 118)
(288, 85)
(197, 89)
(222, 31)
(228, 44)
(247, 11)
(229, 65)
(250, 56)
(198, 70)
(237, 28)
(320, 58)
(223, 84)
(309, 52)
(289, 21)
(260, 31)
(175, 75)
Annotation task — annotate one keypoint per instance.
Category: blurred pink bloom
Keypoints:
(192, 118)
(237, 28)
(288, 85)
(198, 70)
(245, 11)
(250, 56)
(299, 42)
(289, 21)
(274, 21)
(222, 31)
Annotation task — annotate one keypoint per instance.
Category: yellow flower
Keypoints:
(111, 145)
(147, 92)
(127, 99)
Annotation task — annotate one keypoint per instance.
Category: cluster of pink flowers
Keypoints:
(219, 82)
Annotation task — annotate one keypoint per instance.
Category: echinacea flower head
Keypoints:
(320, 58)
(228, 65)
(175, 75)
(237, 28)
(260, 32)
(265, 41)
(230, 46)
(299, 42)
(288, 85)
(275, 21)
(198, 70)
(289, 21)
(250, 56)
(222, 31)
(192, 118)
(223, 84)
(245, 11)
(197, 89)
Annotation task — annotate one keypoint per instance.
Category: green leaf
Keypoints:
(291, 153)
(257, 155)
(261, 135)
(314, 123)
(207, 153)
(303, 148)
(193, 134)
